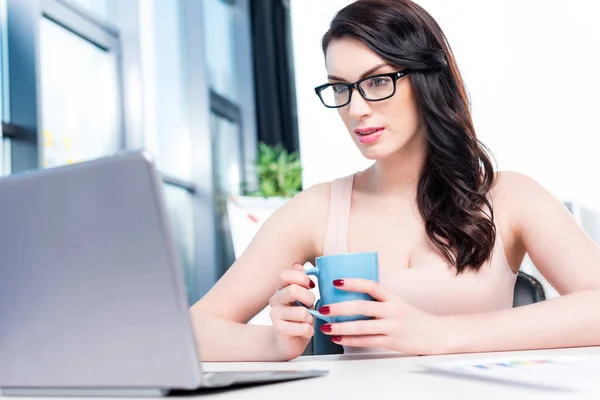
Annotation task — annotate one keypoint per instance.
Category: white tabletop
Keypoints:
(390, 376)
(383, 376)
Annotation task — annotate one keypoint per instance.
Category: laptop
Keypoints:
(92, 296)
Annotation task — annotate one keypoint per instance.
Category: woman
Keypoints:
(450, 233)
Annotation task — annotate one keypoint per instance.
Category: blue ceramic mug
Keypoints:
(342, 266)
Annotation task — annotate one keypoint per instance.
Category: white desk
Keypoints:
(383, 376)
(386, 376)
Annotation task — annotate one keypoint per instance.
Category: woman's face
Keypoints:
(395, 122)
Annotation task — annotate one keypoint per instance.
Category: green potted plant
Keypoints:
(279, 177)
(279, 172)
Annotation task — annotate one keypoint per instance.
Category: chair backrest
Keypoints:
(528, 290)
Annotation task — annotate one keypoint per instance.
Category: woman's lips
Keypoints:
(368, 135)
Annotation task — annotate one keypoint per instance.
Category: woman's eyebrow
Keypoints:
(365, 74)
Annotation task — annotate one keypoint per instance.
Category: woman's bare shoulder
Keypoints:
(513, 187)
(313, 198)
(307, 211)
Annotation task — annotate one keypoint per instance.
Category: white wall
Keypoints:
(325, 146)
(532, 70)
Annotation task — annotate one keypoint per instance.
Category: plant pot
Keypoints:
(246, 215)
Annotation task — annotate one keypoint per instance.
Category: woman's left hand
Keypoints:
(397, 325)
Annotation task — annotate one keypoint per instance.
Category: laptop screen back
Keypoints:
(91, 294)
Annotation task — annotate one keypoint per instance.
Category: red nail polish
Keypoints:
(326, 328)
(311, 284)
(338, 282)
(324, 310)
(336, 338)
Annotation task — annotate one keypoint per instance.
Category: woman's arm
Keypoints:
(220, 339)
(293, 234)
(567, 258)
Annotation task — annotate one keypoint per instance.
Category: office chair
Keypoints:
(528, 290)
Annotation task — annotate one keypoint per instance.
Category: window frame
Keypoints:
(23, 93)
(241, 112)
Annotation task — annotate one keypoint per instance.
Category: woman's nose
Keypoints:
(359, 107)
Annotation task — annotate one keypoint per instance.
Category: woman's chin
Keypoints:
(374, 153)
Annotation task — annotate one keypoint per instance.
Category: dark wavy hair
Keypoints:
(457, 175)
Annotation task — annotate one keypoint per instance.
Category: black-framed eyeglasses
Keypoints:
(372, 88)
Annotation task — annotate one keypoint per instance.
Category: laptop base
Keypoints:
(83, 392)
(211, 380)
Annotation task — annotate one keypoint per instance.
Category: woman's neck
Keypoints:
(398, 173)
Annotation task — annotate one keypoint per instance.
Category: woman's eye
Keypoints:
(376, 82)
(339, 89)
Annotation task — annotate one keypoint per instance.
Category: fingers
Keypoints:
(298, 267)
(291, 314)
(381, 341)
(367, 286)
(356, 307)
(357, 328)
(292, 321)
(292, 293)
(294, 285)
(295, 276)
(293, 329)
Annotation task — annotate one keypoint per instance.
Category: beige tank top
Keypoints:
(435, 289)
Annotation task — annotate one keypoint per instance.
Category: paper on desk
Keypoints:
(552, 372)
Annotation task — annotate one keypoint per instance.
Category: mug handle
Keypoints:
(314, 272)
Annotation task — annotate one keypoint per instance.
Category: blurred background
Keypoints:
(201, 83)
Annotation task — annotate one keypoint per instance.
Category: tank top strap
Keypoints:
(339, 215)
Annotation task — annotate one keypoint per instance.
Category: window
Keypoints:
(166, 124)
(227, 170)
(219, 42)
(80, 97)
(227, 154)
(3, 79)
(118, 74)
(167, 133)
(180, 206)
(230, 77)
(103, 9)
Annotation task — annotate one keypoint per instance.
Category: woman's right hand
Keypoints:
(293, 325)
